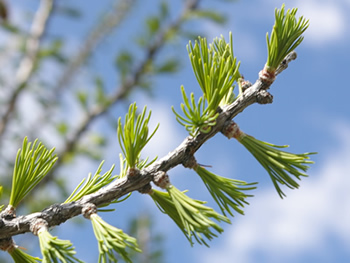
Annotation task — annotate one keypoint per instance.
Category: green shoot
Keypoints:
(282, 166)
(285, 36)
(33, 162)
(111, 239)
(92, 184)
(133, 136)
(227, 193)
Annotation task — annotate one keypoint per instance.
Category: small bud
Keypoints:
(264, 97)
(7, 244)
(161, 179)
(38, 225)
(190, 162)
(267, 76)
(146, 189)
(232, 130)
(132, 172)
(9, 213)
(245, 84)
(88, 210)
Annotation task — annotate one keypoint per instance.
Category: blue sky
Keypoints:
(310, 112)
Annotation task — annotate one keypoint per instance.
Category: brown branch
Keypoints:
(29, 60)
(59, 213)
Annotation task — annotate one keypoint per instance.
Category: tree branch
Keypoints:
(29, 60)
(59, 213)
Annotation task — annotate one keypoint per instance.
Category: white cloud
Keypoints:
(328, 20)
(278, 229)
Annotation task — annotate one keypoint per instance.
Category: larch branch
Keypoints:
(60, 213)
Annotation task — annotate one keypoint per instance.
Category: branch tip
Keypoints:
(285, 62)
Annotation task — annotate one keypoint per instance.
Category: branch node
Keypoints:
(264, 97)
(161, 179)
(88, 210)
(245, 84)
(267, 76)
(132, 172)
(146, 189)
(7, 244)
(231, 130)
(9, 213)
(38, 225)
(190, 162)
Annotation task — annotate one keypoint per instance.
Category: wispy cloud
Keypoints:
(328, 21)
(275, 230)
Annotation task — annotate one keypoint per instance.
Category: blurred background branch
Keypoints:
(28, 62)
